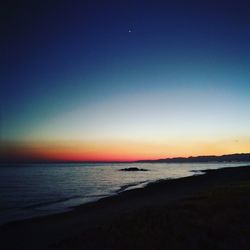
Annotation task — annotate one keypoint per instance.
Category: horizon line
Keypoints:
(133, 161)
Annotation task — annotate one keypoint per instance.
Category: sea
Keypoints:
(32, 190)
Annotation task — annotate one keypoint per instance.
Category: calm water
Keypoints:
(38, 189)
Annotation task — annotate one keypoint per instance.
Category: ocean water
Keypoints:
(30, 190)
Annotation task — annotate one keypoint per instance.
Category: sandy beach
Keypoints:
(209, 211)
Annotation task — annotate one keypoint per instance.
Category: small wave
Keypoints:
(197, 172)
(131, 186)
(46, 203)
(95, 195)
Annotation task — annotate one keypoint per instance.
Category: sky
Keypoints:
(124, 80)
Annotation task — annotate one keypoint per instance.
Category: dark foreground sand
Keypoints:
(210, 211)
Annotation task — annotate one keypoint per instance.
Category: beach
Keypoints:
(209, 211)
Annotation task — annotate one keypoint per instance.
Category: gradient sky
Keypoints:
(124, 80)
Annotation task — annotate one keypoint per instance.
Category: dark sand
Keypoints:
(210, 211)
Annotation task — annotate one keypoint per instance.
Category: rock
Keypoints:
(133, 169)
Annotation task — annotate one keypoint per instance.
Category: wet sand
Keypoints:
(209, 211)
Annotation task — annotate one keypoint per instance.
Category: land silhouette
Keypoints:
(237, 157)
(244, 157)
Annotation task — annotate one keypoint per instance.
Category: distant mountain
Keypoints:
(208, 158)
(192, 159)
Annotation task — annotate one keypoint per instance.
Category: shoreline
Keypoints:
(122, 189)
(53, 229)
(69, 209)
(57, 207)
(21, 214)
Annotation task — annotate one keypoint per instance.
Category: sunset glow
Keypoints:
(118, 151)
(176, 85)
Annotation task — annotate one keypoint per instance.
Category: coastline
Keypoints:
(50, 231)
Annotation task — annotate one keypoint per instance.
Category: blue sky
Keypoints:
(73, 71)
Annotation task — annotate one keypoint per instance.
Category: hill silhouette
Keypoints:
(209, 158)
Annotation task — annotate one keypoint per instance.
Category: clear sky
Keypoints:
(124, 80)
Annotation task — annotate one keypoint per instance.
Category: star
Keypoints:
(129, 31)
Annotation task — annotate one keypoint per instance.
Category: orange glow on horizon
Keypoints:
(116, 151)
